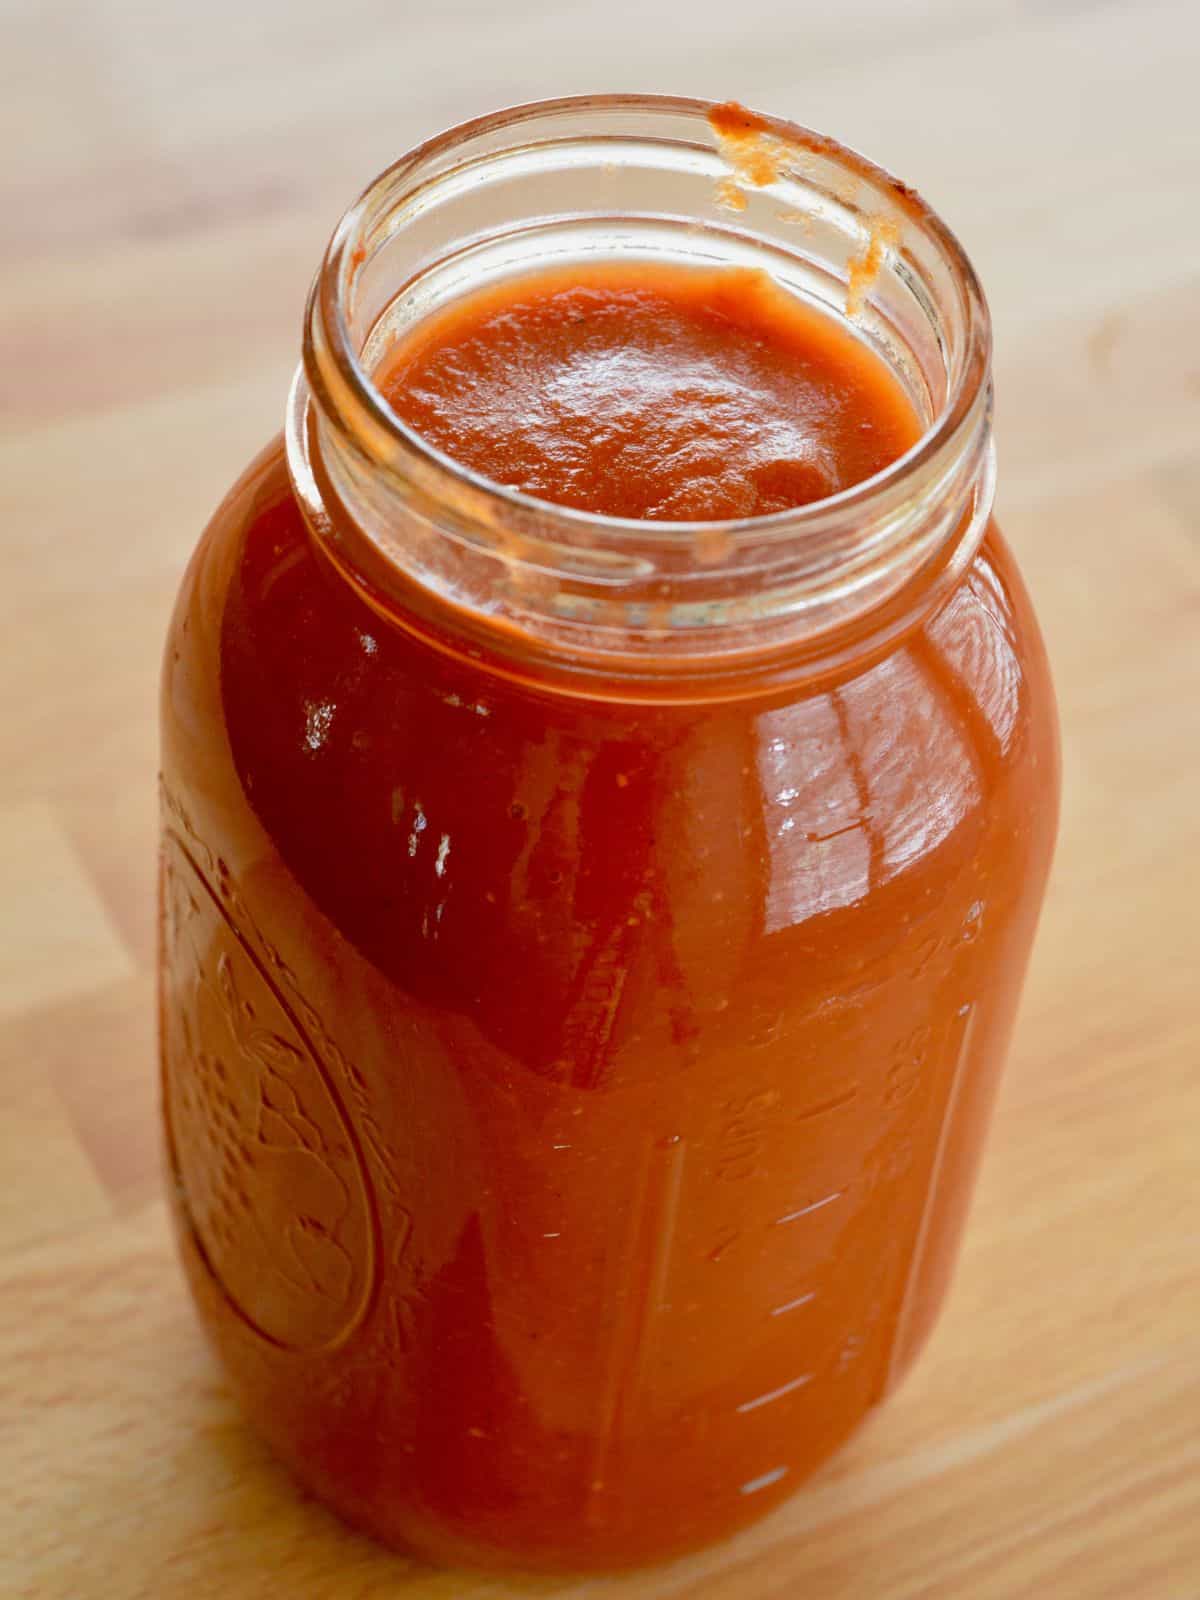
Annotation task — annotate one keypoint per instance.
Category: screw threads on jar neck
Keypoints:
(658, 604)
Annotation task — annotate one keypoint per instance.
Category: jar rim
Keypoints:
(339, 265)
(622, 595)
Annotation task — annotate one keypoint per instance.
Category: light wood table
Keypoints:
(170, 174)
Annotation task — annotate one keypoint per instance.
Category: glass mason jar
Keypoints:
(589, 947)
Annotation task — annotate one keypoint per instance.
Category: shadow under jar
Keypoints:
(589, 947)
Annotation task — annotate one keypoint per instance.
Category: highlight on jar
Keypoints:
(609, 779)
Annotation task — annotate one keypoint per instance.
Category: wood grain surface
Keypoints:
(170, 174)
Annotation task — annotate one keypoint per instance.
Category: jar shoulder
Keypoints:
(981, 655)
(352, 742)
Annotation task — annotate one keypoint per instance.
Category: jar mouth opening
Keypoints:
(445, 551)
(338, 373)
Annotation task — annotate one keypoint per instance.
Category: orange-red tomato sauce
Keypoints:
(574, 1102)
(648, 390)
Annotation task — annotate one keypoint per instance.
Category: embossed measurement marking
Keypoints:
(794, 1305)
(776, 1394)
(765, 1482)
(834, 1104)
(804, 1211)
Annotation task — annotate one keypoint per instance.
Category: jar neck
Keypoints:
(657, 608)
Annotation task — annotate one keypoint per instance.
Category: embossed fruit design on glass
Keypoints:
(590, 942)
(264, 1151)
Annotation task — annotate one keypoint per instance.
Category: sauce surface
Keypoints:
(651, 391)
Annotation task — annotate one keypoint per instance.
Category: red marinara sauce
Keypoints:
(664, 392)
(573, 1097)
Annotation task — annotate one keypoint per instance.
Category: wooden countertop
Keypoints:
(171, 174)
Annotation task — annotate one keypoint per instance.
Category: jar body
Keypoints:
(573, 1104)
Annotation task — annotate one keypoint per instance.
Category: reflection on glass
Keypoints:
(888, 775)
(974, 636)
